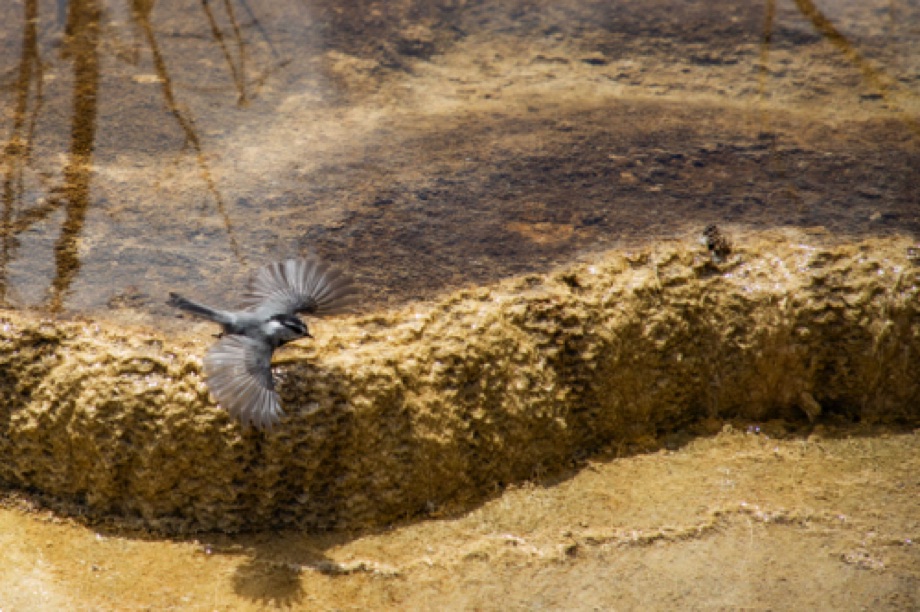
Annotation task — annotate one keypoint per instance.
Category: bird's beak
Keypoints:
(308, 335)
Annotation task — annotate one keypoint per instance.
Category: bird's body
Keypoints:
(272, 329)
(238, 367)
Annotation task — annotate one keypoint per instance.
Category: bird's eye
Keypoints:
(294, 326)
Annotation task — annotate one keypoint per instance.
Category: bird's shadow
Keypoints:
(271, 573)
(268, 582)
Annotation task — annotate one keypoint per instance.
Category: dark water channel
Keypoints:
(158, 144)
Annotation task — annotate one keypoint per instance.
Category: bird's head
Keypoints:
(286, 328)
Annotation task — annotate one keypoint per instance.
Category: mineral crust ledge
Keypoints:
(435, 405)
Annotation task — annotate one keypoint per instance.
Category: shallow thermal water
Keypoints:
(150, 145)
(428, 145)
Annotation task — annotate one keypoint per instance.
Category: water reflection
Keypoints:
(18, 149)
(82, 48)
(883, 83)
(155, 143)
(82, 26)
(141, 14)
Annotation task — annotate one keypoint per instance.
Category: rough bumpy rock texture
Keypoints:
(400, 413)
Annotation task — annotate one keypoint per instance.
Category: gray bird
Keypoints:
(238, 367)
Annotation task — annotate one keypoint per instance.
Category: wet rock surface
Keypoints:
(429, 146)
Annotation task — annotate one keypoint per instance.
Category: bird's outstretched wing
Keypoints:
(298, 286)
(239, 375)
